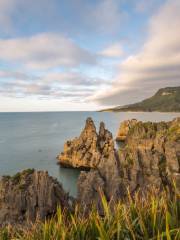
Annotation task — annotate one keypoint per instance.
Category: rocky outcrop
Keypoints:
(28, 196)
(124, 129)
(150, 156)
(88, 149)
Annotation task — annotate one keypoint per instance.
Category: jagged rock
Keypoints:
(94, 151)
(151, 154)
(88, 149)
(106, 176)
(28, 196)
(82, 151)
(124, 129)
(149, 157)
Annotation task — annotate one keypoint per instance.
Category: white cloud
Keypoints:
(114, 50)
(155, 66)
(44, 51)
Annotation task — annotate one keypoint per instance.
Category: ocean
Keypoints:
(33, 140)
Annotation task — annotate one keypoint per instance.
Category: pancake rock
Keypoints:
(28, 196)
(105, 176)
(87, 150)
(150, 156)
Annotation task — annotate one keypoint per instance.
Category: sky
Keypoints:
(71, 55)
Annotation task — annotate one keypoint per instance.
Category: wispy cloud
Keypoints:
(156, 65)
(70, 85)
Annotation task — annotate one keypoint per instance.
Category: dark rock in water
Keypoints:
(28, 196)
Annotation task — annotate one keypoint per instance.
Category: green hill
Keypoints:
(164, 100)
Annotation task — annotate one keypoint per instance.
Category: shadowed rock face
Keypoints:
(28, 196)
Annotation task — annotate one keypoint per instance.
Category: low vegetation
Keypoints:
(152, 217)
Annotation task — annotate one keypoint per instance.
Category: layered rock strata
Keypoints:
(28, 196)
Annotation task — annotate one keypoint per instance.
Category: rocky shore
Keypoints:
(149, 155)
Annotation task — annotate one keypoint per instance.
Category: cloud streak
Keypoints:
(156, 65)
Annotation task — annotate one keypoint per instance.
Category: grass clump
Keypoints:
(152, 217)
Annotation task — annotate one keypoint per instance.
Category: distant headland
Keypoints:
(164, 100)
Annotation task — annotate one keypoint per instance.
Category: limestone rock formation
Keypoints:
(150, 156)
(105, 176)
(86, 151)
(124, 129)
(28, 196)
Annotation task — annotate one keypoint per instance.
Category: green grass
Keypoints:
(153, 217)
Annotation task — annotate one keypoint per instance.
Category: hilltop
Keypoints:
(164, 100)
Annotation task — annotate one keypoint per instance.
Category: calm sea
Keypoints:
(33, 140)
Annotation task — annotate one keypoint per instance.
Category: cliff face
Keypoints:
(28, 196)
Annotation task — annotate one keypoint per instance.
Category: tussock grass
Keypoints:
(155, 217)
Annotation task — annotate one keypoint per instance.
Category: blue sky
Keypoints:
(86, 54)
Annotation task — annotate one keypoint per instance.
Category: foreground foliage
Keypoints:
(153, 217)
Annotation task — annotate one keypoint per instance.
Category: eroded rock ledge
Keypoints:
(30, 195)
